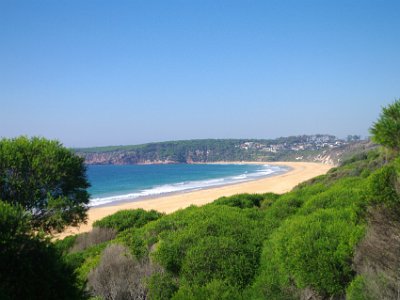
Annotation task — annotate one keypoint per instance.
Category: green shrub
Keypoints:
(383, 186)
(215, 290)
(357, 290)
(269, 199)
(125, 219)
(286, 206)
(312, 251)
(346, 192)
(241, 200)
(218, 258)
(360, 165)
(65, 244)
(134, 239)
(161, 286)
(141, 240)
(200, 244)
(217, 242)
(84, 261)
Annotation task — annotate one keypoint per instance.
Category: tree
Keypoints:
(46, 179)
(386, 130)
(31, 267)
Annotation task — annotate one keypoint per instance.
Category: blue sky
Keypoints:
(125, 72)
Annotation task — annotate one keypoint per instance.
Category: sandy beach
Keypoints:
(299, 172)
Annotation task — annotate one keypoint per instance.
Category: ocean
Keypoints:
(112, 183)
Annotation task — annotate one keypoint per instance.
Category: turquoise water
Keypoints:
(111, 183)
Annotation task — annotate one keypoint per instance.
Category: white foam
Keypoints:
(188, 186)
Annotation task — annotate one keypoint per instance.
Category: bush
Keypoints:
(269, 199)
(64, 245)
(199, 244)
(125, 219)
(215, 290)
(162, 286)
(119, 275)
(286, 206)
(205, 245)
(84, 261)
(348, 192)
(218, 258)
(383, 186)
(314, 251)
(358, 290)
(94, 237)
(241, 200)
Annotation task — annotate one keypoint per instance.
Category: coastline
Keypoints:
(134, 198)
(280, 183)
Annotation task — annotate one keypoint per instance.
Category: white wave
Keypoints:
(188, 186)
(243, 176)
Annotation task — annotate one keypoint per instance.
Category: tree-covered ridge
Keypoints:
(302, 148)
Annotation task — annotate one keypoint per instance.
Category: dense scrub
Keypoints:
(125, 219)
(246, 246)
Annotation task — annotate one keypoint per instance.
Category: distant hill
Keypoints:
(319, 148)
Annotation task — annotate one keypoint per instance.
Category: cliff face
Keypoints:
(126, 158)
(103, 158)
(337, 155)
(119, 158)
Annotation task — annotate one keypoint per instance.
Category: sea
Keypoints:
(121, 183)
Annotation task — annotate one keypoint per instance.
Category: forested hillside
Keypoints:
(319, 148)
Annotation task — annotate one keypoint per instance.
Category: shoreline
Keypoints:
(279, 183)
(284, 170)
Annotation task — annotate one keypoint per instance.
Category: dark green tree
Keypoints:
(386, 130)
(30, 266)
(46, 179)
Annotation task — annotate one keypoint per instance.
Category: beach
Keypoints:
(281, 183)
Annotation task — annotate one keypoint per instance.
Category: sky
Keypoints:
(96, 73)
